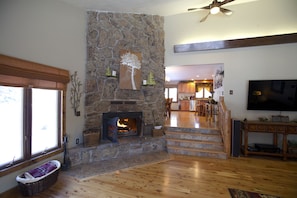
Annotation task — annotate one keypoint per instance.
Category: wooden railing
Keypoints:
(224, 122)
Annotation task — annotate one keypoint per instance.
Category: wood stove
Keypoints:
(120, 124)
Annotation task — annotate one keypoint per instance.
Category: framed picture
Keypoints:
(130, 70)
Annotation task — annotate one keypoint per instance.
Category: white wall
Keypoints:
(54, 33)
(240, 64)
(51, 33)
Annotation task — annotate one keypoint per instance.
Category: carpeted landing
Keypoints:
(84, 171)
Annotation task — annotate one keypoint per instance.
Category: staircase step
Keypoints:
(196, 152)
(194, 130)
(200, 142)
(194, 136)
(195, 144)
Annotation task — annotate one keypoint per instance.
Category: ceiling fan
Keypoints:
(214, 8)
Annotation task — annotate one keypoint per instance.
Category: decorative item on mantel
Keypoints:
(75, 93)
(110, 73)
(150, 80)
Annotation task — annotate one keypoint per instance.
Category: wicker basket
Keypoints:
(36, 185)
(91, 138)
(158, 132)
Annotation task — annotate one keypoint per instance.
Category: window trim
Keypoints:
(23, 73)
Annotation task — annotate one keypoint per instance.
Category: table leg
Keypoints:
(285, 146)
(246, 135)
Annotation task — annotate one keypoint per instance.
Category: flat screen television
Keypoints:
(274, 95)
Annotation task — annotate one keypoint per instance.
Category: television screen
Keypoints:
(278, 95)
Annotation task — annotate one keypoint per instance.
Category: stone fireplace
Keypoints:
(108, 34)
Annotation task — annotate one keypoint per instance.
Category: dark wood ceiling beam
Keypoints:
(236, 43)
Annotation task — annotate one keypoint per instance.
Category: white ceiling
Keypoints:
(192, 72)
(154, 7)
(162, 8)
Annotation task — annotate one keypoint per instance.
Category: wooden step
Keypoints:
(197, 152)
(194, 136)
(218, 146)
(195, 142)
(194, 130)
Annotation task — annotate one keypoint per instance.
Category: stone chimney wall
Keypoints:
(107, 34)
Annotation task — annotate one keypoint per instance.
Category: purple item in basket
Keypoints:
(43, 169)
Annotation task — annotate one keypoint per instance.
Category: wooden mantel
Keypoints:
(236, 43)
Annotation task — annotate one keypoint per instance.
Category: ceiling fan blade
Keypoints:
(191, 9)
(206, 7)
(204, 18)
(226, 11)
(225, 2)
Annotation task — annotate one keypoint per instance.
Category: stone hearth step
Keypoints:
(195, 142)
(86, 170)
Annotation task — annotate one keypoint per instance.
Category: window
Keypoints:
(11, 127)
(203, 90)
(46, 120)
(32, 112)
(171, 92)
(30, 123)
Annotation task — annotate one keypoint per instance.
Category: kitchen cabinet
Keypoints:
(184, 105)
(186, 87)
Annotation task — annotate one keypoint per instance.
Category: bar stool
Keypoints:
(199, 109)
(168, 102)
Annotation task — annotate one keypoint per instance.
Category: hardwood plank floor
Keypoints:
(183, 176)
(188, 119)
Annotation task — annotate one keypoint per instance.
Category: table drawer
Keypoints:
(276, 128)
(292, 129)
(256, 127)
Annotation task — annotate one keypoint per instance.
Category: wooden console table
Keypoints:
(276, 128)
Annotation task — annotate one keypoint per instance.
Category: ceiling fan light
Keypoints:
(228, 13)
(214, 10)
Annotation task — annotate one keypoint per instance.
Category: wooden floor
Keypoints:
(189, 120)
(183, 176)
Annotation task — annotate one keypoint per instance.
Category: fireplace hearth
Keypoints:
(121, 124)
